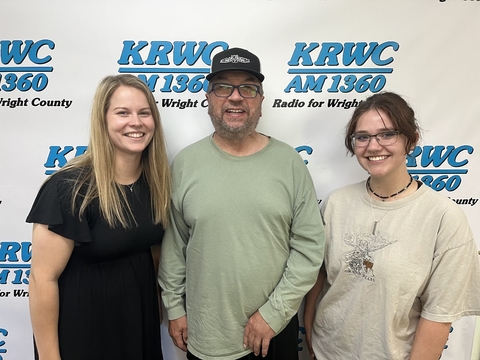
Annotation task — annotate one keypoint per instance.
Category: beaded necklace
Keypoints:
(389, 196)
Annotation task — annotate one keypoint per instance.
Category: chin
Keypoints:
(375, 172)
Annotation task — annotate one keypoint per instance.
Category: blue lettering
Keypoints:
(305, 148)
(189, 55)
(411, 158)
(311, 83)
(435, 155)
(356, 52)
(330, 50)
(4, 333)
(438, 155)
(207, 53)
(159, 49)
(188, 52)
(10, 249)
(379, 50)
(21, 277)
(33, 53)
(150, 81)
(57, 155)
(300, 52)
(351, 52)
(295, 84)
(314, 84)
(13, 50)
(4, 276)
(452, 159)
(129, 50)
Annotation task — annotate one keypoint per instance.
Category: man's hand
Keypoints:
(178, 331)
(257, 335)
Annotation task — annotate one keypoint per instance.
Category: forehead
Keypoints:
(235, 77)
(374, 121)
(124, 92)
(126, 96)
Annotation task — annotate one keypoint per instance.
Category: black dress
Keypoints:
(108, 297)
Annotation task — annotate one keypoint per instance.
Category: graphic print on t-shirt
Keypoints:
(359, 260)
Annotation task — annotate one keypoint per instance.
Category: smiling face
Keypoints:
(234, 117)
(130, 123)
(379, 161)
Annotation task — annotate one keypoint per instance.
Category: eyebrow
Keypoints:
(378, 131)
(127, 108)
(248, 79)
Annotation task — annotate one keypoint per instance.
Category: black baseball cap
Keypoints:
(236, 59)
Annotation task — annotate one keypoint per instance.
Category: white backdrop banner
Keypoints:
(320, 59)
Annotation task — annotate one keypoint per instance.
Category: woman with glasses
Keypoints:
(400, 261)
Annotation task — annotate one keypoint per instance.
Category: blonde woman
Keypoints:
(97, 227)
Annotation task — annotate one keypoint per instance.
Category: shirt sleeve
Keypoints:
(172, 268)
(453, 289)
(307, 242)
(53, 207)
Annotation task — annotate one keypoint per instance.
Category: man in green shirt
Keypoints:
(246, 239)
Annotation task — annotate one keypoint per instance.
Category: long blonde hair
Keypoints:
(98, 165)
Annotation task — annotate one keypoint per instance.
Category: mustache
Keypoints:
(233, 107)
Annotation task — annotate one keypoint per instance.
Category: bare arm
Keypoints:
(50, 255)
(430, 338)
(309, 309)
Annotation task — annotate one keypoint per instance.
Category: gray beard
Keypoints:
(234, 133)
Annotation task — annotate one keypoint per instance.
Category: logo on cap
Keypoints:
(234, 59)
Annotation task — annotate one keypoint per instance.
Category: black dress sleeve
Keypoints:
(53, 207)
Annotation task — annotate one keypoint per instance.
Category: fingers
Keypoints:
(178, 330)
(245, 338)
(250, 341)
(257, 335)
(185, 336)
(265, 345)
(179, 342)
(255, 343)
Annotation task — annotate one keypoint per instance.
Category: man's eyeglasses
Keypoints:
(383, 138)
(247, 91)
